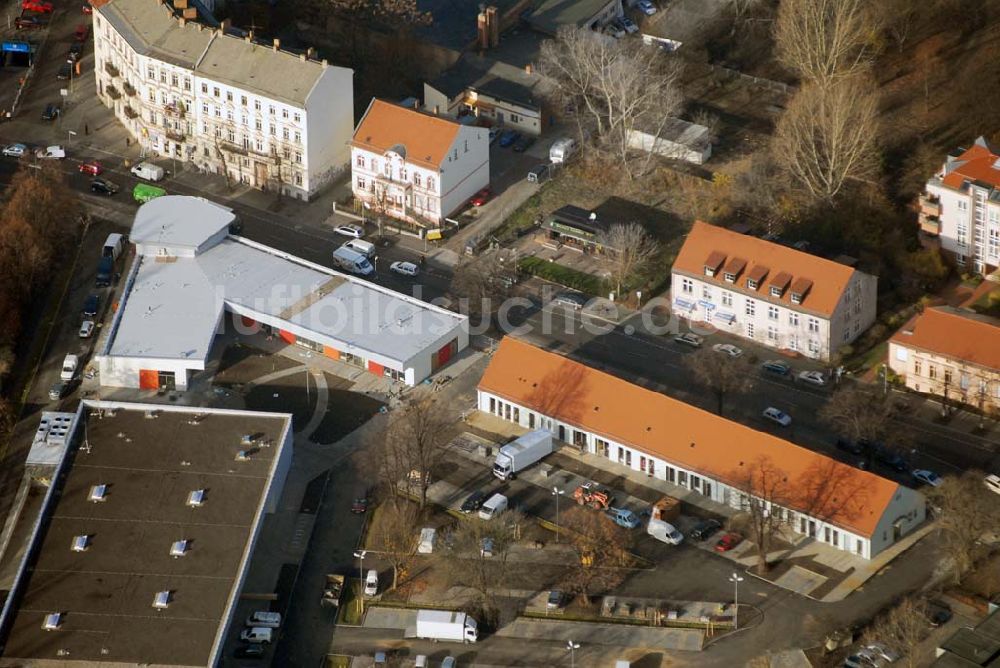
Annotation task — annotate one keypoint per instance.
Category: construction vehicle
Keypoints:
(331, 592)
(593, 495)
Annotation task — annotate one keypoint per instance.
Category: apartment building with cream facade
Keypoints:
(260, 115)
(769, 293)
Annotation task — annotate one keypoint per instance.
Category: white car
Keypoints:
(86, 329)
(992, 483)
(689, 339)
(812, 377)
(15, 150)
(646, 7)
(350, 231)
(629, 25)
(884, 651)
(728, 349)
(927, 477)
(54, 152)
(774, 415)
(69, 367)
(404, 268)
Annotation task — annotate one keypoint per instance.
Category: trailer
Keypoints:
(522, 453)
(446, 625)
(332, 590)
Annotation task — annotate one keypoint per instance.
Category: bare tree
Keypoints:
(389, 460)
(612, 88)
(968, 510)
(418, 432)
(394, 536)
(600, 547)
(721, 374)
(861, 415)
(902, 627)
(828, 136)
(822, 40)
(483, 283)
(628, 248)
(765, 489)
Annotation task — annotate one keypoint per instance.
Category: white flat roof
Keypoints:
(174, 306)
(178, 221)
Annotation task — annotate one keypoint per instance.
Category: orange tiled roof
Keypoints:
(426, 138)
(956, 334)
(677, 432)
(824, 280)
(975, 164)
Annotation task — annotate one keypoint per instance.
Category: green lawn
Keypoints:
(571, 278)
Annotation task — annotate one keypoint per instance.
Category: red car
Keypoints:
(360, 505)
(82, 32)
(93, 168)
(37, 6)
(87, 9)
(728, 542)
(481, 197)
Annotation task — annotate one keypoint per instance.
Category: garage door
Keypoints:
(440, 357)
(288, 337)
(376, 368)
(332, 353)
(149, 379)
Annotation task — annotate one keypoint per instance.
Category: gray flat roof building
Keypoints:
(110, 542)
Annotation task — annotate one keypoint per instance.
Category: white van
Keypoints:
(257, 634)
(366, 248)
(561, 150)
(495, 505)
(426, 544)
(264, 619)
(371, 583)
(113, 246)
(352, 261)
(148, 171)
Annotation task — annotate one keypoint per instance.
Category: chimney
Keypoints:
(416, 104)
(326, 64)
(224, 25)
(190, 14)
(201, 26)
(494, 25)
(277, 43)
(529, 69)
(310, 53)
(180, 4)
(302, 57)
(181, 21)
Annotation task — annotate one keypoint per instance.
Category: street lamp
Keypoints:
(69, 136)
(884, 372)
(572, 647)
(736, 580)
(361, 577)
(556, 492)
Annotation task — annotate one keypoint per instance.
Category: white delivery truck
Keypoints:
(148, 171)
(561, 150)
(446, 625)
(352, 261)
(522, 453)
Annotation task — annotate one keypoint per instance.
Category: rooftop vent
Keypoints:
(179, 548)
(197, 419)
(248, 439)
(52, 621)
(98, 493)
(242, 456)
(161, 600)
(152, 415)
(80, 543)
(196, 498)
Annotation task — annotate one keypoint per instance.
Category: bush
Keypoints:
(571, 278)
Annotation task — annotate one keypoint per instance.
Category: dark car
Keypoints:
(523, 143)
(360, 505)
(538, 174)
(75, 51)
(91, 305)
(776, 367)
(103, 187)
(890, 458)
(51, 112)
(30, 23)
(704, 529)
(508, 137)
(555, 600)
(65, 71)
(254, 650)
(474, 501)
(938, 613)
(573, 300)
(236, 226)
(847, 445)
(59, 390)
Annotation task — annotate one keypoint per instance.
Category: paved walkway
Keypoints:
(619, 635)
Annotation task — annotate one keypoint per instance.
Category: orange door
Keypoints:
(288, 337)
(332, 353)
(149, 379)
(376, 368)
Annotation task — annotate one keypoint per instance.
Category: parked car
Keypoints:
(776, 367)
(891, 458)
(103, 187)
(82, 32)
(623, 517)
(59, 390)
(523, 143)
(629, 25)
(448, 662)
(90, 305)
(371, 583)
(938, 613)
(51, 112)
(404, 268)
(572, 300)
(30, 23)
(360, 505)
(40, 6)
(855, 661)
(612, 29)
(927, 477)
(86, 329)
(847, 445)
(486, 547)
(481, 197)
(992, 482)
(254, 650)
(54, 152)
(728, 349)
(704, 529)
(555, 600)
(474, 501)
(728, 542)
(812, 377)
(69, 366)
(508, 137)
(538, 174)
(92, 167)
(689, 339)
(646, 7)
(774, 415)
(355, 231)
(65, 71)
(882, 650)
(494, 135)
(15, 150)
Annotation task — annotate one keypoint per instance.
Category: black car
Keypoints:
(65, 71)
(890, 458)
(51, 112)
(847, 445)
(523, 143)
(538, 174)
(254, 650)
(474, 501)
(91, 305)
(75, 51)
(103, 187)
(704, 529)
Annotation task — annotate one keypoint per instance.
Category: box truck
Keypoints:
(659, 528)
(352, 261)
(446, 625)
(522, 453)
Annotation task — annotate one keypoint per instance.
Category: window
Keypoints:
(360, 161)
(243, 100)
(361, 183)
(218, 112)
(173, 80)
(270, 110)
(258, 125)
(284, 135)
(749, 330)
(796, 298)
(298, 157)
(752, 284)
(916, 367)
(187, 83)
(813, 347)
(813, 325)
(727, 298)
(775, 291)
(963, 205)
(272, 130)
(204, 88)
(772, 312)
(729, 278)
(416, 179)
(932, 372)
(750, 308)
(260, 145)
(514, 118)
(215, 91)
(706, 292)
(772, 334)
(298, 118)
(687, 285)
(298, 179)
(256, 105)
(229, 96)
(793, 319)
(947, 376)
(163, 77)
(229, 115)
(961, 233)
(430, 183)
(231, 136)
(298, 137)
(204, 108)
(284, 113)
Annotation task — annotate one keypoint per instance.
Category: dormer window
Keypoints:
(780, 283)
(729, 278)
(714, 263)
(731, 271)
(800, 288)
(756, 276)
(775, 291)
(796, 298)
(752, 284)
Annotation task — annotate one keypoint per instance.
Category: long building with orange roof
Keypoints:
(605, 416)
(961, 206)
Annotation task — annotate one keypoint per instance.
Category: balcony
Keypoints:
(111, 69)
(113, 93)
(930, 224)
(930, 205)
(129, 89)
(175, 135)
(248, 150)
(175, 109)
(130, 112)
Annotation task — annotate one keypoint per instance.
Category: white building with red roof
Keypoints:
(961, 206)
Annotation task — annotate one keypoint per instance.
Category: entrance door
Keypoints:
(167, 381)
(812, 528)
(260, 173)
(562, 433)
